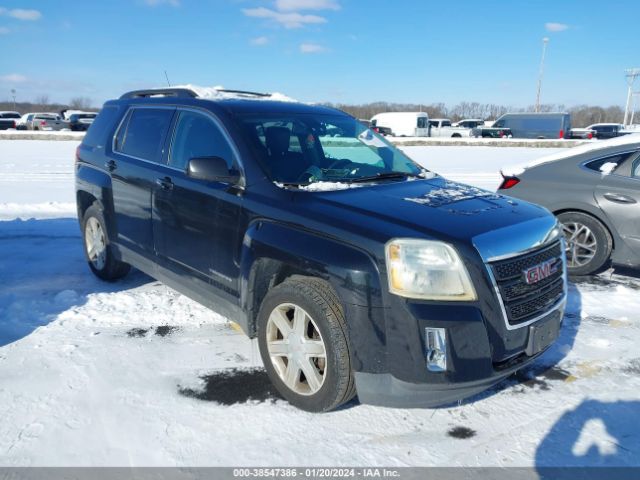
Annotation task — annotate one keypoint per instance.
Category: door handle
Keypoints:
(110, 165)
(164, 183)
(619, 198)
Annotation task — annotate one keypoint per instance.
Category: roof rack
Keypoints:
(245, 92)
(161, 92)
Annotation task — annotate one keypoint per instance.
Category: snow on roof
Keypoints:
(218, 93)
(515, 170)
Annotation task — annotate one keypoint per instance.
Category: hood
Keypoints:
(436, 208)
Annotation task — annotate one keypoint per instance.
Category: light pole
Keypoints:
(631, 75)
(13, 94)
(545, 40)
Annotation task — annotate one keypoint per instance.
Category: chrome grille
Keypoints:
(524, 301)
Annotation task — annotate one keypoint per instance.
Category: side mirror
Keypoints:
(211, 169)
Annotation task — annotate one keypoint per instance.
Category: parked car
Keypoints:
(410, 289)
(490, 132)
(441, 127)
(80, 122)
(47, 121)
(581, 133)
(609, 130)
(402, 124)
(24, 121)
(595, 193)
(9, 120)
(469, 123)
(535, 125)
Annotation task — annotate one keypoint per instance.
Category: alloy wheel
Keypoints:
(95, 243)
(296, 349)
(581, 244)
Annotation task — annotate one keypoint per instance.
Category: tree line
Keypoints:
(43, 104)
(581, 115)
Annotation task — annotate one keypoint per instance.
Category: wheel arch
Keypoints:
(599, 218)
(273, 252)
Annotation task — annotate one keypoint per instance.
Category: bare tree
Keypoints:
(80, 103)
(42, 101)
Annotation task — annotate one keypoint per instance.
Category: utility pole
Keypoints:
(633, 108)
(545, 40)
(13, 94)
(631, 74)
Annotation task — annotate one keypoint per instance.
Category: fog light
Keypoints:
(436, 343)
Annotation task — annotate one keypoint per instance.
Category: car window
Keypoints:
(422, 122)
(102, 127)
(636, 169)
(607, 164)
(197, 135)
(145, 131)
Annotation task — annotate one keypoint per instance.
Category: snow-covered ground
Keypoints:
(134, 374)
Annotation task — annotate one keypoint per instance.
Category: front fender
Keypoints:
(270, 248)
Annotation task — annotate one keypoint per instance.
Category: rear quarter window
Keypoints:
(101, 129)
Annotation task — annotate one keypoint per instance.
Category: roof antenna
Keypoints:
(167, 77)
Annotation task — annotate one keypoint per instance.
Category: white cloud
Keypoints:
(297, 5)
(155, 3)
(287, 20)
(556, 27)
(259, 41)
(311, 48)
(13, 78)
(4, 31)
(22, 14)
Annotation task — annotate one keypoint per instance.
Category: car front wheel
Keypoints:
(303, 344)
(588, 242)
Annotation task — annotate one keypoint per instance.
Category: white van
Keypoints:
(403, 124)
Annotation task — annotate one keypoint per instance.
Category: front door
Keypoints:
(195, 223)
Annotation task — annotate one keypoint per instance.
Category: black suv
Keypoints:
(357, 269)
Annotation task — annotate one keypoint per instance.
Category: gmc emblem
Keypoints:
(541, 271)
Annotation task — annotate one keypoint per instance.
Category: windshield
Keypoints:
(306, 148)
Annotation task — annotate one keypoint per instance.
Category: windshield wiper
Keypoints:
(381, 176)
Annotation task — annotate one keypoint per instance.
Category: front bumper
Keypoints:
(384, 389)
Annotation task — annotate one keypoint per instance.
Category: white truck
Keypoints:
(441, 127)
(417, 124)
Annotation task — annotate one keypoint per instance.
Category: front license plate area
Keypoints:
(542, 334)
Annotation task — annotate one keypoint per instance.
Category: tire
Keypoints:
(312, 305)
(456, 135)
(594, 243)
(97, 250)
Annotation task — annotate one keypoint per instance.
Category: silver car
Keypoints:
(47, 121)
(594, 190)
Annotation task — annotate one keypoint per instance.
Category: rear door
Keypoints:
(618, 195)
(134, 163)
(195, 222)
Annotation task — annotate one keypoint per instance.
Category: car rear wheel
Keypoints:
(589, 243)
(98, 251)
(303, 344)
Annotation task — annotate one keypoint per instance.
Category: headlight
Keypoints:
(428, 270)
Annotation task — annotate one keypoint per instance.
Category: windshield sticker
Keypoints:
(451, 192)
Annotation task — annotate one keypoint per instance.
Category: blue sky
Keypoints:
(351, 51)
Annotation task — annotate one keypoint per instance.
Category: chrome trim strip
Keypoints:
(514, 240)
(561, 303)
